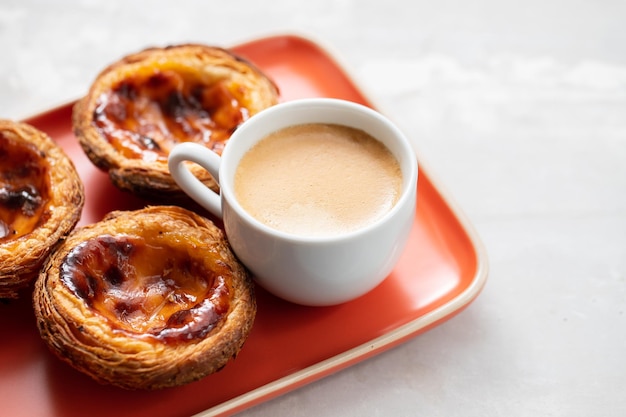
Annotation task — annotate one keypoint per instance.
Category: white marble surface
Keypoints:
(518, 107)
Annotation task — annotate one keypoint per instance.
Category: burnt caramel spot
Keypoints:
(144, 116)
(25, 198)
(24, 188)
(147, 288)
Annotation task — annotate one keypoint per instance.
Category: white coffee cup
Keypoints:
(307, 270)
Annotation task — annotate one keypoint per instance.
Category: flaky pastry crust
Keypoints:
(145, 299)
(139, 107)
(41, 200)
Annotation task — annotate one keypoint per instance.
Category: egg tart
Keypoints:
(41, 200)
(139, 107)
(145, 299)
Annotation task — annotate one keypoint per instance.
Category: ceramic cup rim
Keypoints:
(232, 154)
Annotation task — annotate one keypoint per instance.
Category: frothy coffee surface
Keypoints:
(318, 180)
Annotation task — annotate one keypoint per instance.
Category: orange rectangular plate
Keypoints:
(442, 270)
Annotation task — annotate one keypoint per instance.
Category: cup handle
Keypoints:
(191, 185)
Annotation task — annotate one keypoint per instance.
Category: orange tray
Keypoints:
(442, 270)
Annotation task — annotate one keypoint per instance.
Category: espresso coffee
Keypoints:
(318, 180)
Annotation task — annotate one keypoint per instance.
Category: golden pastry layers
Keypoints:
(145, 299)
(41, 200)
(141, 106)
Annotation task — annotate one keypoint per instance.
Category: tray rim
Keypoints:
(381, 343)
(394, 337)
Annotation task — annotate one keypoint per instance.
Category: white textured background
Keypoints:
(518, 107)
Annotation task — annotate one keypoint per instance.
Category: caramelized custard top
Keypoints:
(145, 287)
(24, 188)
(144, 116)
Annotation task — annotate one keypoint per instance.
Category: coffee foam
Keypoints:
(318, 180)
